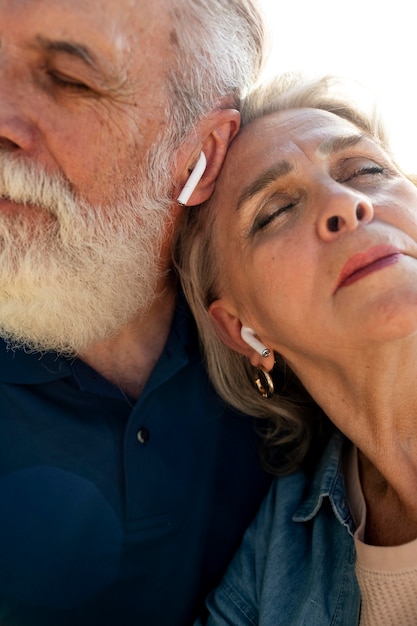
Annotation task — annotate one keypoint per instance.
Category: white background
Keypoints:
(372, 41)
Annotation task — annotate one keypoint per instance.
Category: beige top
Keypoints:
(387, 576)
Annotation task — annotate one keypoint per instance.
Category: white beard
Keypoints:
(73, 274)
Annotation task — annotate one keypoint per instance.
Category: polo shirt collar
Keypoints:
(22, 366)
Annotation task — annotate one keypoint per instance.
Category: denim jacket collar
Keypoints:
(328, 482)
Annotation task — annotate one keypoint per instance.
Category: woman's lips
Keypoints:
(365, 263)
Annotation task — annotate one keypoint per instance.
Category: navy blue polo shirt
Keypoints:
(115, 512)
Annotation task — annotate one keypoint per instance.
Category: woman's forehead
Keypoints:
(304, 124)
(275, 136)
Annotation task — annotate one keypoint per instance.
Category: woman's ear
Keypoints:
(229, 328)
(215, 133)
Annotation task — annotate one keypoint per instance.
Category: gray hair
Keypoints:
(220, 46)
(292, 420)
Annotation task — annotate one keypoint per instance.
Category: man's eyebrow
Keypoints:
(266, 177)
(337, 144)
(69, 47)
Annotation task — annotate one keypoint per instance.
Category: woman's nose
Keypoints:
(344, 209)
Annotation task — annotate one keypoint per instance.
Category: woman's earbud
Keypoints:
(193, 180)
(248, 336)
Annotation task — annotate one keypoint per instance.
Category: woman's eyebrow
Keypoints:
(337, 144)
(268, 176)
(282, 168)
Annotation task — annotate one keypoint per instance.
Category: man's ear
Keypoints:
(211, 136)
(229, 328)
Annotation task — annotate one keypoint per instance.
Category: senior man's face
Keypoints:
(82, 100)
(82, 88)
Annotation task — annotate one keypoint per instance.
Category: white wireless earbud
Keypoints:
(193, 180)
(248, 336)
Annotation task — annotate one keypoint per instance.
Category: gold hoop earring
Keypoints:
(264, 383)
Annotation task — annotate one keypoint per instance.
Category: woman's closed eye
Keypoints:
(269, 214)
(368, 170)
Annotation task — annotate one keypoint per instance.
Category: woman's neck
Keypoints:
(391, 518)
(372, 399)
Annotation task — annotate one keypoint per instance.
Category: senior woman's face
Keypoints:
(316, 237)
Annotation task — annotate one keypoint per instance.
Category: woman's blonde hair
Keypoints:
(291, 419)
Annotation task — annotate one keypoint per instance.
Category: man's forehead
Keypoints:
(116, 36)
(114, 18)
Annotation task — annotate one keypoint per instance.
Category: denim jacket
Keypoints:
(296, 564)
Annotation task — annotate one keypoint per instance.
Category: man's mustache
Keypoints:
(31, 185)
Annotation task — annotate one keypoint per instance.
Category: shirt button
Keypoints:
(143, 435)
